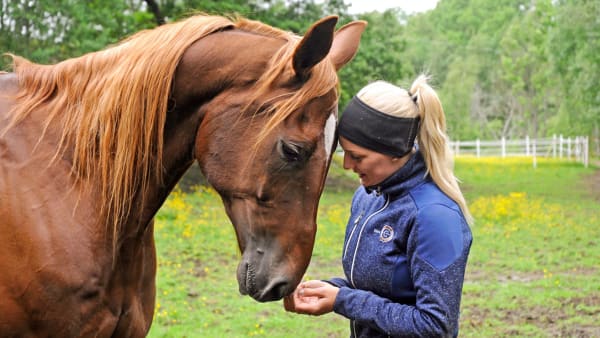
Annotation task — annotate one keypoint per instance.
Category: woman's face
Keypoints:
(372, 167)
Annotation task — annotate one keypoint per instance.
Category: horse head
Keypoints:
(265, 143)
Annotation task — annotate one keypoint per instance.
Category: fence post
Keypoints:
(457, 147)
(578, 149)
(586, 152)
(503, 147)
(560, 146)
(569, 147)
(534, 154)
(478, 147)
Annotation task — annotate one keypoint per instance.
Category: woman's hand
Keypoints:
(313, 297)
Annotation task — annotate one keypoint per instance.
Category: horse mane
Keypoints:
(112, 104)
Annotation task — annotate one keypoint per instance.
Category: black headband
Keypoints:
(377, 131)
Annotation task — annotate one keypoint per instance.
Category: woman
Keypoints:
(408, 238)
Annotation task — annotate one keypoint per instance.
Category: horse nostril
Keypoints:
(260, 251)
(276, 291)
(281, 290)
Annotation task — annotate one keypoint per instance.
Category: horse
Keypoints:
(90, 148)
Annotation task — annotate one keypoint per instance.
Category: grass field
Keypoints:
(534, 268)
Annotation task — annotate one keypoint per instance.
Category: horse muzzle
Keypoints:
(258, 277)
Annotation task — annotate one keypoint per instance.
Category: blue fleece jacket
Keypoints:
(404, 258)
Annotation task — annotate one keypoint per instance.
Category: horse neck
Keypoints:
(179, 136)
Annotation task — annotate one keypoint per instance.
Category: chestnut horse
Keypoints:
(91, 147)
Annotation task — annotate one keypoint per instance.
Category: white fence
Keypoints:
(576, 148)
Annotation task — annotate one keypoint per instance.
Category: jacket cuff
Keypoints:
(341, 301)
(337, 282)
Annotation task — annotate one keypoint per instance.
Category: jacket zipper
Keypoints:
(387, 202)
(352, 233)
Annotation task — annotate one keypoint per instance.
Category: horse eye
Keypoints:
(290, 152)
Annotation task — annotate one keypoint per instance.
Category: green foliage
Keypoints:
(378, 55)
(50, 31)
(510, 68)
(574, 46)
(502, 68)
(525, 67)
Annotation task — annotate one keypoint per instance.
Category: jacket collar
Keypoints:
(404, 179)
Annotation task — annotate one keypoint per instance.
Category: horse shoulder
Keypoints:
(51, 252)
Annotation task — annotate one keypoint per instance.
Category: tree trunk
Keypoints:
(153, 7)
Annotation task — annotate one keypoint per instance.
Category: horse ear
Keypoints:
(314, 46)
(345, 43)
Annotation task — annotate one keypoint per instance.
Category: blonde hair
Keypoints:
(421, 101)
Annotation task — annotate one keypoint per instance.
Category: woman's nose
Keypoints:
(347, 162)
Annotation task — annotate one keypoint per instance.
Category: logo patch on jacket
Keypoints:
(386, 234)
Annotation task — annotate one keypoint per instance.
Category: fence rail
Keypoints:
(576, 148)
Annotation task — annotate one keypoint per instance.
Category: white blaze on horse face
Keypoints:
(329, 134)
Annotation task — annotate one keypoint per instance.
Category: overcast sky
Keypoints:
(409, 6)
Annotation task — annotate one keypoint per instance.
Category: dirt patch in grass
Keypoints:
(559, 317)
(552, 321)
(592, 184)
(477, 275)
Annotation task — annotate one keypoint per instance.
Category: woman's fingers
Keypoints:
(313, 284)
(313, 297)
(316, 288)
(311, 307)
(312, 292)
(311, 288)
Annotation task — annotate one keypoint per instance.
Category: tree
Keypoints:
(574, 47)
(457, 44)
(525, 67)
(379, 55)
(49, 31)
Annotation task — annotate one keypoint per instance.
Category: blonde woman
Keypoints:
(408, 236)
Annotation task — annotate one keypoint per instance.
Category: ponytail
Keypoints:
(433, 142)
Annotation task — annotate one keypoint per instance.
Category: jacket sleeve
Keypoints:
(437, 251)
(339, 282)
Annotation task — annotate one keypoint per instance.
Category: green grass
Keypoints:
(533, 268)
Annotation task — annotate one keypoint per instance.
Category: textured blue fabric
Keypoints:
(404, 258)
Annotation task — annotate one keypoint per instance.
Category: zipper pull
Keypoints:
(359, 217)
(378, 191)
